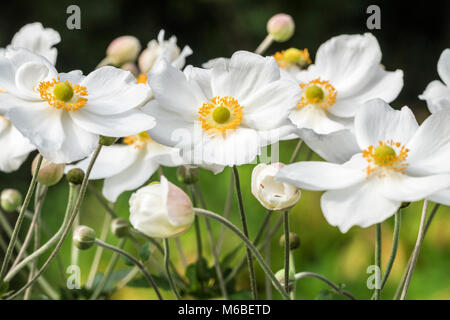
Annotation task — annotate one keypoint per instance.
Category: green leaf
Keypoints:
(144, 252)
(127, 261)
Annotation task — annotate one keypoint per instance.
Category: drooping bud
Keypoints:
(281, 27)
(107, 141)
(123, 49)
(49, 173)
(161, 210)
(187, 174)
(294, 241)
(84, 237)
(75, 176)
(11, 200)
(273, 195)
(120, 227)
(280, 277)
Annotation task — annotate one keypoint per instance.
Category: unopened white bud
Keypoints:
(123, 49)
(281, 27)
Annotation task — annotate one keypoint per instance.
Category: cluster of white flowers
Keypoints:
(223, 114)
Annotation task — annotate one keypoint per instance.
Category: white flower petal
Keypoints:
(376, 121)
(442, 197)
(358, 205)
(336, 147)
(319, 175)
(116, 125)
(314, 118)
(437, 96)
(444, 66)
(113, 91)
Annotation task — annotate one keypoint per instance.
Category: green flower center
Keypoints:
(63, 91)
(384, 154)
(293, 55)
(314, 93)
(221, 114)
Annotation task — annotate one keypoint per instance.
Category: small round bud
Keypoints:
(129, 66)
(120, 227)
(11, 200)
(83, 237)
(281, 27)
(75, 176)
(187, 174)
(123, 49)
(294, 241)
(49, 173)
(280, 277)
(405, 205)
(107, 141)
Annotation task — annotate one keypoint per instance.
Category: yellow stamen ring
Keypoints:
(63, 95)
(317, 93)
(389, 155)
(220, 114)
(292, 57)
(139, 140)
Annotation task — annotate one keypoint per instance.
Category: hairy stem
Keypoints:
(167, 268)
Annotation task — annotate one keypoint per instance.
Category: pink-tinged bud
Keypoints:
(281, 27)
(49, 173)
(273, 195)
(129, 66)
(123, 49)
(161, 210)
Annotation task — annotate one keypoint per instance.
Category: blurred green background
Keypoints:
(412, 37)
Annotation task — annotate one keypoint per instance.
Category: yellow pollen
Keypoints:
(317, 93)
(292, 57)
(139, 141)
(142, 78)
(63, 95)
(220, 114)
(388, 155)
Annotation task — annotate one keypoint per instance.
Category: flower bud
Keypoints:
(107, 141)
(49, 173)
(161, 210)
(187, 174)
(280, 277)
(83, 237)
(75, 176)
(294, 241)
(273, 195)
(120, 227)
(11, 200)
(123, 49)
(281, 27)
(129, 66)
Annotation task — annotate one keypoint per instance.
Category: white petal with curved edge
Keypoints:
(348, 61)
(244, 73)
(336, 147)
(28, 76)
(401, 187)
(202, 78)
(358, 205)
(430, 146)
(376, 121)
(112, 91)
(437, 96)
(269, 106)
(320, 175)
(442, 197)
(116, 125)
(111, 161)
(131, 178)
(314, 118)
(444, 66)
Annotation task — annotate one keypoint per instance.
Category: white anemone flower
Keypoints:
(129, 165)
(37, 39)
(346, 73)
(398, 162)
(437, 94)
(63, 114)
(15, 147)
(224, 115)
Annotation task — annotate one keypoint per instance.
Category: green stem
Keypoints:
(378, 260)
(395, 239)
(301, 275)
(109, 269)
(167, 268)
(286, 249)
(19, 221)
(226, 211)
(138, 264)
(69, 224)
(249, 244)
(292, 267)
(296, 151)
(268, 253)
(245, 230)
(415, 254)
